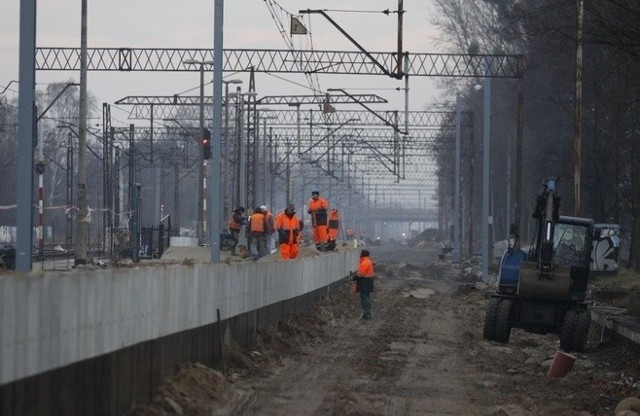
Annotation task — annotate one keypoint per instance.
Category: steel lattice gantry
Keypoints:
(187, 107)
(281, 61)
(336, 155)
(365, 133)
(287, 61)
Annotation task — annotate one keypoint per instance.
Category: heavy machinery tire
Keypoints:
(503, 322)
(489, 331)
(567, 330)
(581, 331)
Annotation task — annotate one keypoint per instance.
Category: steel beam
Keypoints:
(280, 61)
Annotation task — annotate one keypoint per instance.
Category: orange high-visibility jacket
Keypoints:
(257, 222)
(291, 227)
(365, 267)
(233, 222)
(318, 210)
(334, 222)
(365, 275)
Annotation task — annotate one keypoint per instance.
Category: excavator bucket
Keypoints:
(534, 285)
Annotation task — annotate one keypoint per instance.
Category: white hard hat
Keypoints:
(263, 207)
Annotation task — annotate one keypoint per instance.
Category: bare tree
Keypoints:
(544, 32)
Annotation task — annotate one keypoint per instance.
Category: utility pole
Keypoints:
(399, 73)
(200, 227)
(216, 179)
(80, 248)
(486, 148)
(577, 121)
(26, 116)
(456, 193)
(519, 144)
(226, 165)
(288, 173)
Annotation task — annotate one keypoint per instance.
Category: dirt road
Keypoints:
(422, 354)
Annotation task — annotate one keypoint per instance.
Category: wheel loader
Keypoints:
(543, 289)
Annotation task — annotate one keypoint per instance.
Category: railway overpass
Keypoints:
(410, 215)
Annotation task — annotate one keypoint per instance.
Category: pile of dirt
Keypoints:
(620, 290)
(194, 390)
(198, 390)
(185, 255)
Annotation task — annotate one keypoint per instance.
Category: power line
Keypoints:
(387, 11)
(312, 79)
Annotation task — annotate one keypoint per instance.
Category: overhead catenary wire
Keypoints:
(313, 78)
(387, 11)
(277, 11)
(291, 82)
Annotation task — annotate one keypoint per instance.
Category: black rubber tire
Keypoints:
(490, 317)
(581, 331)
(503, 322)
(567, 330)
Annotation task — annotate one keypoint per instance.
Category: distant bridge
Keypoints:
(402, 215)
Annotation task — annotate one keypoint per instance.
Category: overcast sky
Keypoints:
(248, 24)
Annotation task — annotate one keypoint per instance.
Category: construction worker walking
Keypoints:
(289, 227)
(257, 233)
(318, 208)
(364, 282)
(236, 221)
(333, 228)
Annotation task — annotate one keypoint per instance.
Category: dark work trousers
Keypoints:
(260, 241)
(234, 236)
(366, 305)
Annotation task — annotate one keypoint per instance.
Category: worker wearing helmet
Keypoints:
(364, 282)
(318, 208)
(289, 227)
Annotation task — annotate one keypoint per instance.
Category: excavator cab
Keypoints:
(570, 243)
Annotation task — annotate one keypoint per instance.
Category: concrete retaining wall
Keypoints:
(57, 319)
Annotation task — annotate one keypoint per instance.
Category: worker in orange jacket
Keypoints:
(236, 221)
(364, 281)
(257, 232)
(318, 208)
(332, 228)
(289, 227)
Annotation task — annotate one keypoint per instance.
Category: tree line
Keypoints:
(545, 33)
